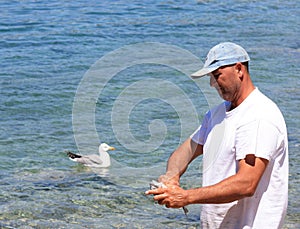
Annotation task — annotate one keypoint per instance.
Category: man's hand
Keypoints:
(169, 179)
(172, 196)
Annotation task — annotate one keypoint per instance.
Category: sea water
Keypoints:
(77, 73)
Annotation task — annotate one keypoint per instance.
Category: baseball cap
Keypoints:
(223, 54)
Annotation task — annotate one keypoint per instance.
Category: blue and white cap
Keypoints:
(223, 54)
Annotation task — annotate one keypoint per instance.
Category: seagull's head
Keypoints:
(105, 147)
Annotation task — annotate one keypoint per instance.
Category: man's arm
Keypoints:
(179, 161)
(238, 186)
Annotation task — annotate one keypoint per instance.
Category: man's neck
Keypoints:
(244, 94)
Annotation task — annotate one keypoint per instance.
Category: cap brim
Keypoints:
(203, 72)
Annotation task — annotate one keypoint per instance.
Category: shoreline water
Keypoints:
(47, 48)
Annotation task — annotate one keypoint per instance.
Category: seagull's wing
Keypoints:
(91, 160)
(87, 160)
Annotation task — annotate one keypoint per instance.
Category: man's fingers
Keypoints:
(160, 197)
(154, 191)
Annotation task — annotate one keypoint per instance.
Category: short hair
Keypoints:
(246, 64)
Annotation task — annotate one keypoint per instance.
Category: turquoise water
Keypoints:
(47, 50)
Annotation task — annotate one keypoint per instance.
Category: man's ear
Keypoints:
(239, 68)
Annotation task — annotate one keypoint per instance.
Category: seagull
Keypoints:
(94, 160)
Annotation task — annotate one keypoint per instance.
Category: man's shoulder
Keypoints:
(262, 109)
(265, 104)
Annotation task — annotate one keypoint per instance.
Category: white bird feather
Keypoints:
(94, 160)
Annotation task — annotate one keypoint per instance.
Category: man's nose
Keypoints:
(213, 82)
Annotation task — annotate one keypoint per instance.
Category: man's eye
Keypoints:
(216, 76)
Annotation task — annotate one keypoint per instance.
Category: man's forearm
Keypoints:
(224, 192)
(180, 159)
(241, 185)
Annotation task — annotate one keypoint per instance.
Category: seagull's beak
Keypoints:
(111, 148)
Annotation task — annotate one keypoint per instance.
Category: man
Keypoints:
(245, 152)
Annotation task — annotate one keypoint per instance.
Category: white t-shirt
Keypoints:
(256, 127)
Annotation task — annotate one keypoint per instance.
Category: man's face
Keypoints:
(227, 82)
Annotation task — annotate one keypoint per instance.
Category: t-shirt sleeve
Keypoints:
(259, 138)
(199, 136)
